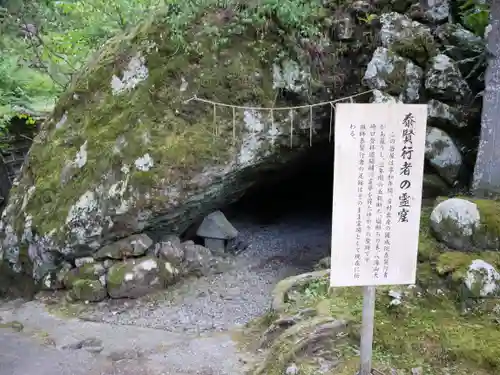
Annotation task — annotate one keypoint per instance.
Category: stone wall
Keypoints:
(424, 59)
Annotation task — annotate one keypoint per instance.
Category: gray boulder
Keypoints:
(88, 291)
(444, 81)
(441, 114)
(394, 75)
(431, 11)
(459, 42)
(443, 154)
(88, 271)
(482, 279)
(133, 246)
(382, 97)
(170, 250)
(137, 277)
(455, 221)
(407, 38)
(198, 260)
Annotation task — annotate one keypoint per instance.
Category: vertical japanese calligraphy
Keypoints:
(407, 135)
(378, 171)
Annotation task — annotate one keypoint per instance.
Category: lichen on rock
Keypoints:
(407, 38)
(443, 115)
(482, 279)
(137, 277)
(394, 75)
(454, 221)
(445, 81)
(126, 150)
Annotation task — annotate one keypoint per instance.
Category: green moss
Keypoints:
(419, 48)
(219, 53)
(116, 274)
(490, 215)
(13, 325)
(396, 80)
(88, 290)
(428, 247)
(178, 136)
(88, 271)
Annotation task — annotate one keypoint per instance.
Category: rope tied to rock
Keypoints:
(271, 110)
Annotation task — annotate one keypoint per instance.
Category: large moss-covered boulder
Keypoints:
(126, 150)
(467, 224)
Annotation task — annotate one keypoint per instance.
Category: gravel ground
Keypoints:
(220, 302)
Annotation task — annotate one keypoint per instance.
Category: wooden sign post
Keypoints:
(377, 197)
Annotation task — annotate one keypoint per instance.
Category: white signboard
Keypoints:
(377, 193)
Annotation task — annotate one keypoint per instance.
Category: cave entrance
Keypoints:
(286, 218)
(303, 188)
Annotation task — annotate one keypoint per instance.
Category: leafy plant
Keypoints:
(368, 19)
(316, 289)
(475, 16)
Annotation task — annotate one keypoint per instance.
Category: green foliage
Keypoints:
(475, 16)
(19, 86)
(68, 32)
(315, 289)
(37, 67)
(368, 19)
(77, 28)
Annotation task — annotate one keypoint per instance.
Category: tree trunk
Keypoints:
(486, 179)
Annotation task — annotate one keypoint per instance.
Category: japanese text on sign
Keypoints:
(376, 209)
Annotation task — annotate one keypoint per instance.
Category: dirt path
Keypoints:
(186, 330)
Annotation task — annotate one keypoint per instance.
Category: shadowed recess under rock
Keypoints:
(302, 188)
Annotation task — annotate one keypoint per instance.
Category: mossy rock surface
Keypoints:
(125, 151)
(88, 290)
(88, 271)
(135, 278)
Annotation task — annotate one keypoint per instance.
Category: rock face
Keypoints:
(444, 80)
(136, 245)
(394, 74)
(126, 150)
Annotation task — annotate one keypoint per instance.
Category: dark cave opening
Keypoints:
(303, 188)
